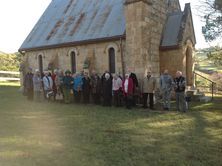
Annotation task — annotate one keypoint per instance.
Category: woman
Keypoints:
(117, 90)
(86, 88)
(67, 86)
(28, 85)
(77, 87)
(107, 90)
(128, 91)
(47, 85)
(58, 85)
(37, 84)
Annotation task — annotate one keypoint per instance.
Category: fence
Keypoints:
(206, 84)
(9, 76)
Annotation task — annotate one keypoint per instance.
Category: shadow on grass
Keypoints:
(57, 134)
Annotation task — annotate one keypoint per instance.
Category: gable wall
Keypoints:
(173, 60)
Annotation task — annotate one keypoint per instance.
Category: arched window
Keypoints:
(112, 65)
(73, 62)
(40, 61)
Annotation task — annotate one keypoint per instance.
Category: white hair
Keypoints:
(107, 76)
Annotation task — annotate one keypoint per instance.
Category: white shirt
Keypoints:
(126, 85)
(117, 83)
(47, 83)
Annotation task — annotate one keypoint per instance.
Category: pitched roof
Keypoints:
(173, 32)
(72, 21)
(172, 29)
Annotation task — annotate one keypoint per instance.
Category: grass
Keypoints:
(7, 83)
(50, 134)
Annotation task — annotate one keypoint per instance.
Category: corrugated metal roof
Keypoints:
(172, 30)
(66, 21)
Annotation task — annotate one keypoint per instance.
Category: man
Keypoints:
(180, 86)
(47, 85)
(148, 88)
(166, 83)
(135, 85)
(95, 87)
(28, 84)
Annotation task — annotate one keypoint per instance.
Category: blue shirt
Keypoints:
(77, 83)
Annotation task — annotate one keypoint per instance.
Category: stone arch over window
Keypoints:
(73, 53)
(112, 60)
(40, 62)
(112, 45)
(111, 50)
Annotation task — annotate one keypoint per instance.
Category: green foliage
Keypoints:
(211, 54)
(209, 62)
(212, 12)
(216, 56)
(10, 62)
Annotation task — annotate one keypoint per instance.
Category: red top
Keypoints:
(130, 87)
(53, 79)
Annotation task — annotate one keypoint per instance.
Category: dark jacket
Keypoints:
(95, 84)
(67, 82)
(86, 84)
(28, 81)
(180, 84)
(107, 87)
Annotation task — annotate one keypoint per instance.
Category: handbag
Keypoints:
(59, 96)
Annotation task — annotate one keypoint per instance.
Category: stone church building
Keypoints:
(113, 35)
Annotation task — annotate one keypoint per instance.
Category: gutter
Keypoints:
(70, 44)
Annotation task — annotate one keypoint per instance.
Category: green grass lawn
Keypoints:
(50, 134)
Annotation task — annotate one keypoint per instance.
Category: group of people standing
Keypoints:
(106, 89)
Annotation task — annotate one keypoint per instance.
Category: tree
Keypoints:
(212, 14)
(10, 62)
(215, 55)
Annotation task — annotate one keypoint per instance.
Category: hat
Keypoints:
(67, 72)
(46, 72)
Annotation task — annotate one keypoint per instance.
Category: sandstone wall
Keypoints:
(173, 60)
(61, 56)
(144, 26)
(173, 6)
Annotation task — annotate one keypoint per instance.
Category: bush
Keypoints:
(10, 62)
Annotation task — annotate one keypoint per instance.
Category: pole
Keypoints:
(122, 60)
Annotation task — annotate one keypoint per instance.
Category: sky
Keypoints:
(18, 17)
